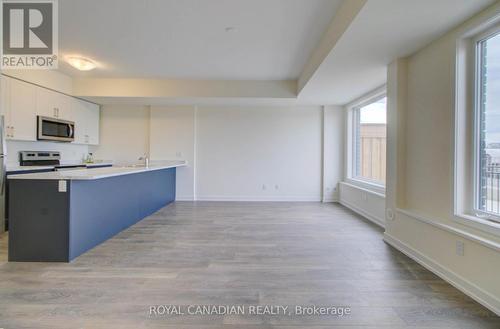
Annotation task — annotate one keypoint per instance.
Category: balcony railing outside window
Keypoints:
(488, 127)
(490, 189)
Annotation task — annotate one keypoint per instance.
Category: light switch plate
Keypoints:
(63, 186)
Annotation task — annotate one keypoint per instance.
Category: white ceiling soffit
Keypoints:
(169, 88)
(197, 101)
(339, 24)
(174, 39)
(382, 31)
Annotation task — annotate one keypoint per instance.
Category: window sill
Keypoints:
(478, 223)
(365, 185)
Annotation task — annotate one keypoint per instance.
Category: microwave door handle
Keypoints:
(70, 130)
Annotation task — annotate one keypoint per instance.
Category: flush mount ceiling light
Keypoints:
(81, 63)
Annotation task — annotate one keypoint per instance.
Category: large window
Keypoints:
(487, 132)
(370, 141)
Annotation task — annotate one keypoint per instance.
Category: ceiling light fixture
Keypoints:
(81, 63)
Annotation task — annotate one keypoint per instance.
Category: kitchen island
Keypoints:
(57, 216)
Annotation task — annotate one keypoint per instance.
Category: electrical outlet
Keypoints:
(276, 187)
(264, 187)
(460, 248)
(364, 196)
(178, 154)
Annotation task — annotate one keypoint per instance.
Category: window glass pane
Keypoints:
(371, 141)
(489, 125)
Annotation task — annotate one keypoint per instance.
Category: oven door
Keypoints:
(55, 129)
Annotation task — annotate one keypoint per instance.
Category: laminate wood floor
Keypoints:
(207, 253)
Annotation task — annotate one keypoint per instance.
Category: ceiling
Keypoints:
(187, 39)
(382, 31)
(270, 40)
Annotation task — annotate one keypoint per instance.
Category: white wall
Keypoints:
(367, 203)
(45, 78)
(333, 151)
(232, 152)
(124, 134)
(259, 153)
(172, 136)
(424, 227)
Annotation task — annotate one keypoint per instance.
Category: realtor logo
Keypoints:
(29, 32)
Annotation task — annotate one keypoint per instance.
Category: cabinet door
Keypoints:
(53, 104)
(80, 117)
(86, 116)
(93, 123)
(21, 118)
(65, 107)
(45, 103)
(4, 96)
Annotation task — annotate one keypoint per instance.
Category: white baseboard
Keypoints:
(470, 289)
(379, 221)
(259, 198)
(329, 200)
(184, 198)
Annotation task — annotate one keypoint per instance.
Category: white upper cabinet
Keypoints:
(4, 96)
(93, 123)
(44, 103)
(80, 123)
(53, 104)
(19, 109)
(21, 102)
(65, 107)
(86, 122)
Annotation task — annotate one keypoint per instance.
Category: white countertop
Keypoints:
(17, 167)
(27, 168)
(98, 173)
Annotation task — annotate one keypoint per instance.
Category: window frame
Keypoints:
(465, 121)
(352, 148)
(477, 120)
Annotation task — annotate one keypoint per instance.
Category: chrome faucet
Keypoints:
(145, 158)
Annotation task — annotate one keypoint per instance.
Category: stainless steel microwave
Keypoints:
(51, 129)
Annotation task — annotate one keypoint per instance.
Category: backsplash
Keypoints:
(70, 153)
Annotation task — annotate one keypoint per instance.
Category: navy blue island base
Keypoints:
(49, 225)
